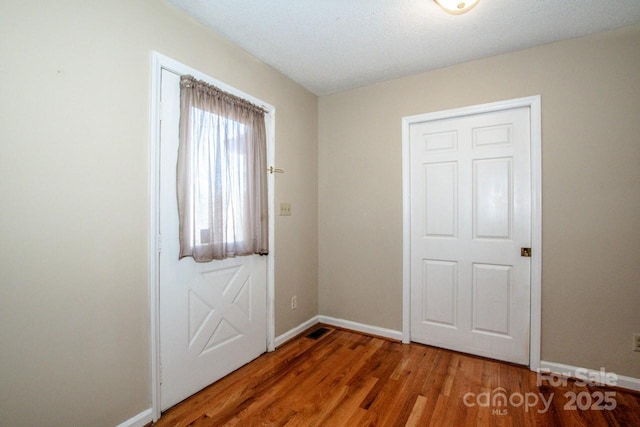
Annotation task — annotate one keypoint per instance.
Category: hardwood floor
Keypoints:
(343, 378)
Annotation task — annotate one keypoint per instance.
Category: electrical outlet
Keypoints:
(636, 342)
(285, 209)
(294, 302)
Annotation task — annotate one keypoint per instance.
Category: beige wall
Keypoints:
(74, 200)
(590, 90)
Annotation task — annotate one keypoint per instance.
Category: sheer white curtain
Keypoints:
(221, 174)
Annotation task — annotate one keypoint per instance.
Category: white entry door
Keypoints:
(212, 315)
(470, 217)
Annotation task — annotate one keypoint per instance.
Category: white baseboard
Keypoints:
(361, 327)
(584, 373)
(140, 420)
(281, 339)
(341, 323)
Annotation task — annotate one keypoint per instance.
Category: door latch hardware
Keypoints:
(525, 252)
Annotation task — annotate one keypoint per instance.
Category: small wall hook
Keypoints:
(275, 170)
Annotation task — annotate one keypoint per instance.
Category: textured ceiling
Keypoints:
(333, 45)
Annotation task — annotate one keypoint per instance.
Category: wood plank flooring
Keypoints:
(345, 378)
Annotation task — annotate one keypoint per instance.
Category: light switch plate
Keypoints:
(285, 209)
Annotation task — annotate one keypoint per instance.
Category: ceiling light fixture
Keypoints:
(457, 7)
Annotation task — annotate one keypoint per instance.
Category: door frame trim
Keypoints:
(158, 63)
(534, 105)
